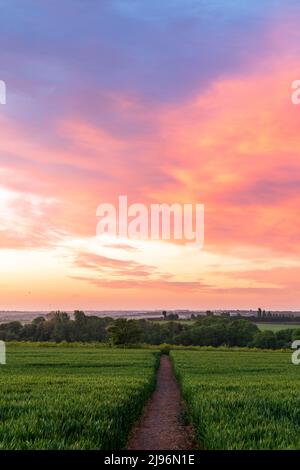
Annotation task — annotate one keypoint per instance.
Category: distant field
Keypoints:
(241, 400)
(261, 326)
(276, 326)
(72, 397)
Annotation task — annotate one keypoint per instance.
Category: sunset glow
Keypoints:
(165, 102)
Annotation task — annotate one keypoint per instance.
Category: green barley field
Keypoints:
(88, 397)
(241, 400)
(82, 397)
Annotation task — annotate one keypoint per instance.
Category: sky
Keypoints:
(185, 101)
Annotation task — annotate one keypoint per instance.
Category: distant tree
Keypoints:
(295, 334)
(259, 313)
(28, 332)
(10, 331)
(96, 328)
(164, 314)
(240, 332)
(50, 315)
(44, 331)
(208, 330)
(80, 317)
(284, 338)
(172, 316)
(154, 332)
(80, 326)
(125, 332)
(38, 320)
(62, 327)
(61, 316)
(265, 340)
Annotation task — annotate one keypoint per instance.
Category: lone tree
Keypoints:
(259, 313)
(124, 332)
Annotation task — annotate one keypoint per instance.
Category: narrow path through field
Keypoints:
(161, 426)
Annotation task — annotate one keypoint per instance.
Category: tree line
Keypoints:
(204, 331)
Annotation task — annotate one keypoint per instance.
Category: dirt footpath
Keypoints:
(161, 426)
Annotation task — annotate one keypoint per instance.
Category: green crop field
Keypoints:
(88, 397)
(72, 397)
(277, 326)
(241, 400)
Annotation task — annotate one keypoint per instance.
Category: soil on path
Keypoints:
(162, 426)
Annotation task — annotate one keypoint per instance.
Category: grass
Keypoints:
(241, 400)
(83, 397)
(277, 326)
